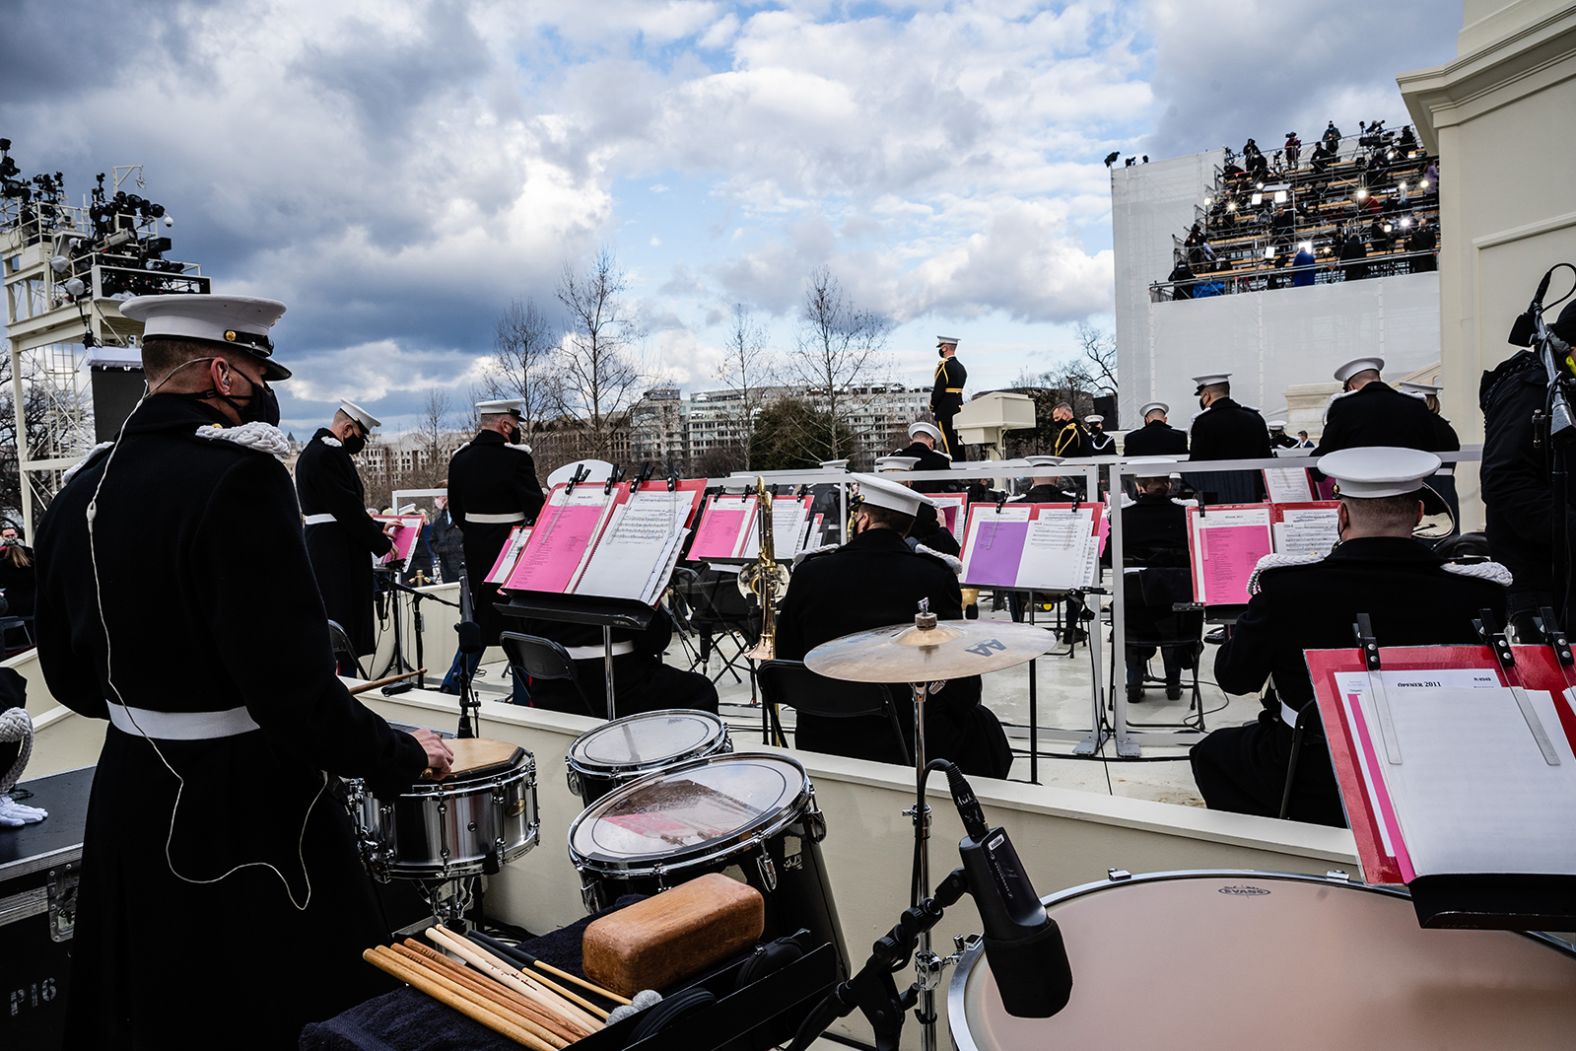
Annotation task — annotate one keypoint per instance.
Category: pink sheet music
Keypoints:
(997, 550)
(721, 525)
(1226, 557)
(555, 549)
(407, 531)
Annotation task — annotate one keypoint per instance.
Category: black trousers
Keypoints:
(949, 436)
(1242, 769)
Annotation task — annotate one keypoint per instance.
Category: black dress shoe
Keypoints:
(1216, 635)
(1135, 694)
(1173, 691)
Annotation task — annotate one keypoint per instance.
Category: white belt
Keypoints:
(317, 519)
(181, 726)
(505, 518)
(591, 653)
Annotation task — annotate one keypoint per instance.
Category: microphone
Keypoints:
(470, 634)
(1022, 943)
(1524, 330)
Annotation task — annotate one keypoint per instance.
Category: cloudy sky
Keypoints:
(398, 170)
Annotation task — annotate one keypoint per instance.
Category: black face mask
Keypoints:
(260, 406)
(516, 436)
(354, 444)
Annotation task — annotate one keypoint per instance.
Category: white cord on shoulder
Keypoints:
(109, 678)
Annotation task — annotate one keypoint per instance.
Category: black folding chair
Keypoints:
(1158, 590)
(790, 683)
(346, 661)
(717, 610)
(544, 660)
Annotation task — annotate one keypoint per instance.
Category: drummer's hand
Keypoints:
(438, 755)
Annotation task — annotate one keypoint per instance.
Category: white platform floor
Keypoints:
(1065, 706)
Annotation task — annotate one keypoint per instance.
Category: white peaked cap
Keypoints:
(501, 405)
(241, 322)
(1378, 470)
(1276, 425)
(600, 471)
(834, 465)
(946, 339)
(1419, 388)
(896, 463)
(1043, 461)
(360, 415)
(1356, 365)
(1094, 417)
(880, 492)
(1212, 379)
(916, 429)
(1152, 407)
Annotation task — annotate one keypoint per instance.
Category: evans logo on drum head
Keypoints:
(1243, 890)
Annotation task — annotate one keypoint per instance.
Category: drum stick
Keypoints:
(543, 984)
(363, 687)
(527, 1014)
(398, 968)
(489, 995)
(514, 952)
(520, 962)
(582, 1023)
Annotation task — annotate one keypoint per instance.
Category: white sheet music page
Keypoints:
(1058, 551)
(1307, 531)
(1473, 793)
(788, 517)
(1287, 485)
(638, 541)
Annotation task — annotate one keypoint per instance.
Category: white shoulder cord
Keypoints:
(109, 678)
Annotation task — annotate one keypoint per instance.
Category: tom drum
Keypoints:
(620, 751)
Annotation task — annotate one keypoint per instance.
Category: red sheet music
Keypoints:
(723, 529)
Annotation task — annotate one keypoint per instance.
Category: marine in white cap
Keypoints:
(1226, 430)
(928, 529)
(176, 602)
(1100, 443)
(876, 579)
(1278, 436)
(1300, 603)
(1156, 437)
(924, 446)
(1371, 412)
(946, 395)
(339, 534)
(492, 489)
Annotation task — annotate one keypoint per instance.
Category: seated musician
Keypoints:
(876, 579)
(1154, 536)
(642, 682)
(929, 530)
(1311, 602)
(923, 446)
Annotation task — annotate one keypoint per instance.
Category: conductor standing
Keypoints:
(339, 532)
(946, 395)
(221, 900)
(492, 489)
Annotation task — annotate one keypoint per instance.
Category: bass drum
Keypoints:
(749, 815)
(1254, 960)
(620, 751)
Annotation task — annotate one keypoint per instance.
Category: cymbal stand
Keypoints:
(927, 966)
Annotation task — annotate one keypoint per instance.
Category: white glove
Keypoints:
(15, 815)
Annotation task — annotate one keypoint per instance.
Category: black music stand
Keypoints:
(606, 613)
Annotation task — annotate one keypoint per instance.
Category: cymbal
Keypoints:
(953, 649)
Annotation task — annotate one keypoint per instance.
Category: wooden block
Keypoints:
(476, 755)
(670, 936)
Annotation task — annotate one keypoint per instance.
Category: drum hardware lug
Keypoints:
(815, 825)
(574, 783)
(1118, 875)
(62, 896)
(591, 897)
(767, 869)
(928, 969)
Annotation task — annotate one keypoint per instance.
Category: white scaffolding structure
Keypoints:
(62, 276)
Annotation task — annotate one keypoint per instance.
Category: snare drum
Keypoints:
(618, 752)
(482, 816)
(1254, 959)
(750, 815)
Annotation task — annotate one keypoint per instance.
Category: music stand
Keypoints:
(606, 613)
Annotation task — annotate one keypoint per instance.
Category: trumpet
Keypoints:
(765, 579)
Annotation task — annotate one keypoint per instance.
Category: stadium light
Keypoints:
(1258, 186)
(1406, 223)
(1305, 246)
(1423, 185)
(1280, 196)
(1231, 206)
(1387, 228)
(1208, 201)
(1269, 251)
(1402, 184)
(1256, 199)
(1362, 193)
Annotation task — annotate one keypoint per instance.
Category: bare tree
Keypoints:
(435, 435)
(840, 352)
(597, 381)
(524, 346)
(747, 372)
(1099, 357)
